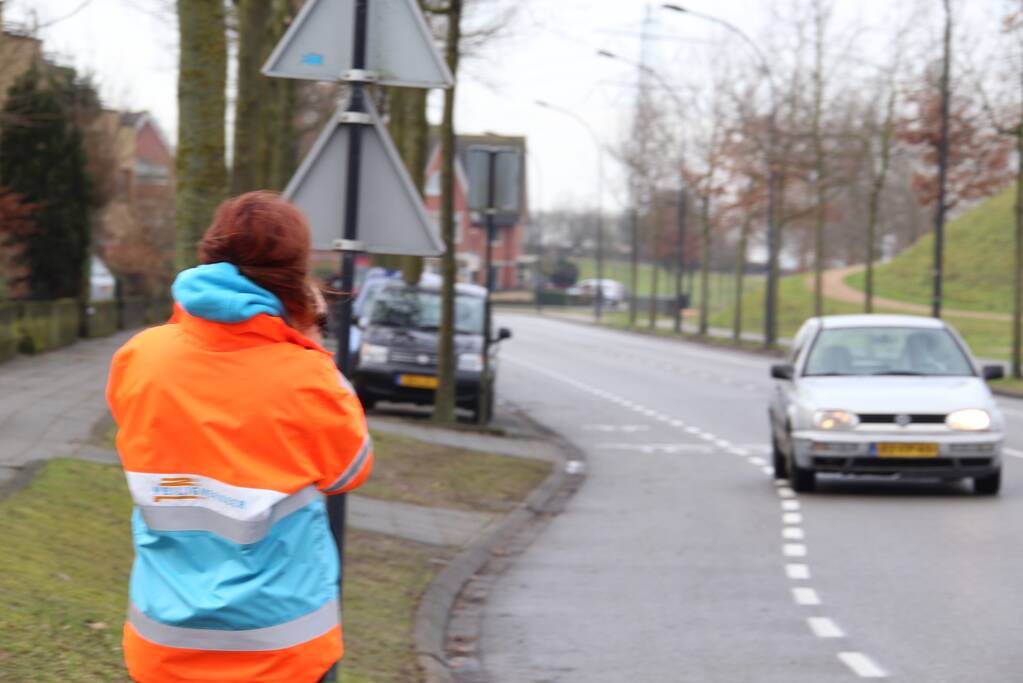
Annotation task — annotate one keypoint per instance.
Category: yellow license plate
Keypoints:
(907, 450)
(418, 381)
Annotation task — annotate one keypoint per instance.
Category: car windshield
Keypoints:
(886, 351)
(417, 309)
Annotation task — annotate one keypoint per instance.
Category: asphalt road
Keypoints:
(681, 558)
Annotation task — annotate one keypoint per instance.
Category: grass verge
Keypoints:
(67, 557)
(413, 471)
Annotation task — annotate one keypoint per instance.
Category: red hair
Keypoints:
(267, 238)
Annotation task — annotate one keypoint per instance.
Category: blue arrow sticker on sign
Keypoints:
(313, 59)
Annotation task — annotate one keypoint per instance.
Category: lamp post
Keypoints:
(680, 265)
(770, 301)
(598, 298)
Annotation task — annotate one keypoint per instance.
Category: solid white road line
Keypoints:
(790, 505)
(793, 533)
(805, 596)
(1013, 452)
(862, 665)
(797, 572)
(794, 550)
(823, 627)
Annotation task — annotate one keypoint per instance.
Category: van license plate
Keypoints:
(418, 381)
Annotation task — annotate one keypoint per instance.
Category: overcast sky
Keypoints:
(548, 54)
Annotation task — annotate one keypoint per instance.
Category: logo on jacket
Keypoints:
(190, 488)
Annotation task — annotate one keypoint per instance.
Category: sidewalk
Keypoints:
(49, 404)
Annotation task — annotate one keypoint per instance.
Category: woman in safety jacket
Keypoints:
(234, 426)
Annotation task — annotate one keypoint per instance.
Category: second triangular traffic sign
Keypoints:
(391, 218)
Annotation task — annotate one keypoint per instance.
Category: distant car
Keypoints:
(613, 292)
(397, 359)
(884, 395)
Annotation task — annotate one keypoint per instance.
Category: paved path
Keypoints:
(49, 404)
(835, 287)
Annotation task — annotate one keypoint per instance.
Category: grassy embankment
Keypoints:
(978, 262)
(67, 556)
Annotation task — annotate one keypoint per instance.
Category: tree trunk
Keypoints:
(740, 276)
(444, 401)
(634, 263)
(281, 131)
(820, 214)
(653, 293)
(705, 265)
(251, 149)
(202, 74)
(410, 132)
(1017, 299)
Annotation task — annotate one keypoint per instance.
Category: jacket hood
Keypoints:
(218, 292)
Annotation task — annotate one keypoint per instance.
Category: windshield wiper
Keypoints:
(901, 373)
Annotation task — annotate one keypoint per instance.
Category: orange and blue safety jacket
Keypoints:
(233, 426)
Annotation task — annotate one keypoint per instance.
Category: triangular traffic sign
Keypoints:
(391, 220)
(400, 50)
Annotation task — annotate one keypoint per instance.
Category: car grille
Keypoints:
(412, 357)
(889, 418)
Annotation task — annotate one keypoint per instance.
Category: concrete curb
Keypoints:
(432, 615)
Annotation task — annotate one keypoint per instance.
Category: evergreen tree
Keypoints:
(43, 161)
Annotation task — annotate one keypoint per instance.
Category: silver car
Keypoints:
(884, 394)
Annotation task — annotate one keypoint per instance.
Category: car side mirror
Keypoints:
(503, 333)
(783, 371)
(993, 372)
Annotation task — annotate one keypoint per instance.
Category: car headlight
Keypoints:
(969, 420)
(372, 353)
(472, 362)
(835, 419)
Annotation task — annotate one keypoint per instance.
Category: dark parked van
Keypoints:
(397, 360)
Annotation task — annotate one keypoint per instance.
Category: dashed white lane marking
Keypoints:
(759, 462)
(740, 451)
(768, 470)
(694, 430)
(790, 505)
(797, 572)
(708, 437)
(792, 518)
(721, 443)
(805, 596)
(794, 550)
(823, 627)
(678, 423)
(1013, 452)
(786, 492)
(793, 533)
(862, 665)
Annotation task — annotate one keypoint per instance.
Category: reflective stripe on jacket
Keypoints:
(231, 435)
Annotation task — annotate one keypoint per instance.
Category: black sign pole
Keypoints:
(337, 505)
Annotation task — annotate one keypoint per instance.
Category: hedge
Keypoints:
(101, 319)
(45, 325)
(8, 332)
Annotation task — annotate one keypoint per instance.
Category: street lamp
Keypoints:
(598, 299)
(770, 302)
(680, 266)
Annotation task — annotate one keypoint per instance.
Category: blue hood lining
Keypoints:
(219, 292)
